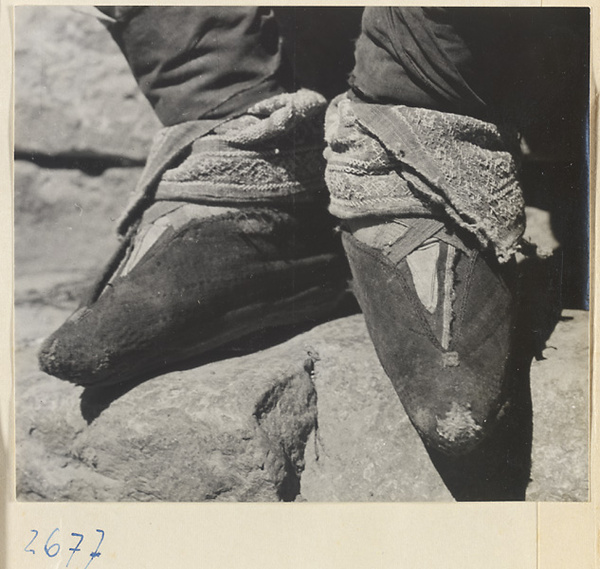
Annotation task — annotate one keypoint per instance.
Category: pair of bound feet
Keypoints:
(194, 277)
(194, 274)
(226, 235)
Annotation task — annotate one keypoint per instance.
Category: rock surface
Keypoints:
(65, 219)
(231, 430)
(261, 427)
(226, 431)
(560, 393)
(365, 448)
(75, 95)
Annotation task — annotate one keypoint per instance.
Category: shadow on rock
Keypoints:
(95, 399)
(499, 468)
(540, 290)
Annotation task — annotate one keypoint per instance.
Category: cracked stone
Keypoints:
(195, 435)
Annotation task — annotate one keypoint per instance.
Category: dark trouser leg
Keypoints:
(205, 62)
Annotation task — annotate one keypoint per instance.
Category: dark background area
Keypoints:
(555, 174)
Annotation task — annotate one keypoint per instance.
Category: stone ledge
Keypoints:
(279, 424)
(75, 95)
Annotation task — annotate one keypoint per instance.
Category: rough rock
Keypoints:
(65, 223)
(365, 448)
(262, 427)
(229, 431)
(235, 429)
(561, 411)
(75, 94)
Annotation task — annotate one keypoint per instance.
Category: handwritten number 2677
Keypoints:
(52, 549)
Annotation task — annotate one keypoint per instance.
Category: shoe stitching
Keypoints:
(485, 331)
(467, 287)
(447, 300)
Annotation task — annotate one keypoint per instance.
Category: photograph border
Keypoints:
(227, 535)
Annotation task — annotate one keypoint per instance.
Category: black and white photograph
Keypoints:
(301, 254)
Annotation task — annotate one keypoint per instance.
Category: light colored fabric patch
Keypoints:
(458, 424)
(422, 263)
(448, 312)
(141, 247)
(376, 234)
(170, 217)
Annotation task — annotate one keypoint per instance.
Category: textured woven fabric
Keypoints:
(397, 160)
(271, 154)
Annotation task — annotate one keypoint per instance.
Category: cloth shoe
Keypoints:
(447, 351)
(191, 278)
